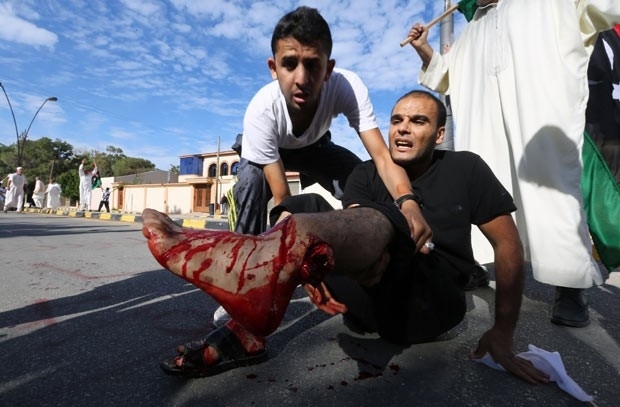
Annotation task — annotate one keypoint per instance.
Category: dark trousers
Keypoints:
(102, 204)
(419, 297)
(323, 162)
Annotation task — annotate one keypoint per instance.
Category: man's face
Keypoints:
(19, 170)
(413, 131)
(300, 71)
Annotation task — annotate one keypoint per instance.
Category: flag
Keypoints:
(95, 181)
(601, 197)
(468, 8)
(600, 181)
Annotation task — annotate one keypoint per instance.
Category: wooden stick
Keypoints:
(445, 14)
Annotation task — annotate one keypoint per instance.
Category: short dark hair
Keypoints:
(307, 26)
(441, 108)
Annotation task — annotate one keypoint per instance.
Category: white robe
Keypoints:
(518, 87)
(53, 192)
(15, 194)
(38, 195)
(86, 180)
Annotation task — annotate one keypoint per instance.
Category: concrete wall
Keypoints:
(153, 190)
(167, 198)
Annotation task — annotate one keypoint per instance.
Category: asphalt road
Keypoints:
(86, 315)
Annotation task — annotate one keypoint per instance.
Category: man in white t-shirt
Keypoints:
(286, 127)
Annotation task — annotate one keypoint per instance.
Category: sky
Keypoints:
(161, 79)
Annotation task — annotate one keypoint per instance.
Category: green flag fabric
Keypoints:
(600, 182)
(601, 198)
(468, 8)
(95, 182)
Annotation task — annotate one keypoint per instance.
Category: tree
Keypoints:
(70, 183)
(45, 159)
(129, 165)
(7, 160)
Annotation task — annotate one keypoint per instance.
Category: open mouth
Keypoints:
(403, 144)
(300, 97)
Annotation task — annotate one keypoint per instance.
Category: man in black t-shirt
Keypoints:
(410, 295)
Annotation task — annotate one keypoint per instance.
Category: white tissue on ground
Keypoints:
(549, 363)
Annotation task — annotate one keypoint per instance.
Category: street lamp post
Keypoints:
(21, 140)
(12, 113)
(24, 136)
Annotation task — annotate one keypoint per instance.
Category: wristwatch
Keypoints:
(412, 196)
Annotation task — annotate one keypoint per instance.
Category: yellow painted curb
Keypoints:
(193, 223)
(128, 218)
(105, 216)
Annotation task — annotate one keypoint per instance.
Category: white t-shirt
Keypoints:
(267, 125)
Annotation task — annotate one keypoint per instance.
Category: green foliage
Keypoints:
(70, 183)
(7, 160)
(57, 159)
(129, 165)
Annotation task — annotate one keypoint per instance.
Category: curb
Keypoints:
(215, 224)
(202, 223)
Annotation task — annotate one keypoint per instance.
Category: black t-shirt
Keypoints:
(458, 190)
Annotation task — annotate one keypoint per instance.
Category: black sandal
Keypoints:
(229, 348)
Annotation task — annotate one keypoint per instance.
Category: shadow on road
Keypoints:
(103, 347)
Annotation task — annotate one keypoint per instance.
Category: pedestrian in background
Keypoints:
(53, 192)
(38, 194)
(2, 195)
(86, 182)
(105, 200)
(15, 196)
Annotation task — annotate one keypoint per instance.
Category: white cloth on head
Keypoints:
(549, 363)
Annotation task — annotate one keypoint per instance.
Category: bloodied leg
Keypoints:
(254, 277)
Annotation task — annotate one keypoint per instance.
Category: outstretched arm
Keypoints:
(509, 273)
(398, 184)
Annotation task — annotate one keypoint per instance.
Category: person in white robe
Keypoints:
(38, 194)
(15, 195)
(86, 182)
(53, 192)
(517, 80)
